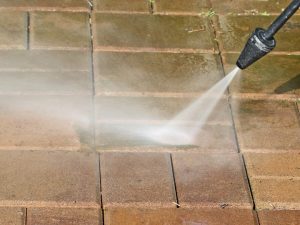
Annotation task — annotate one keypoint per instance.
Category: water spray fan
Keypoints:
(262, 41)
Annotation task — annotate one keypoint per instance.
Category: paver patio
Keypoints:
(84, 83)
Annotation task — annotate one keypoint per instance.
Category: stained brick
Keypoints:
(182, 6)
(276, 193)
(279, 217)
(210, 180)
(136, 179)
(64, 83)
(154, 109)
(25, 5)
(285, 164)
(155, 72)
(55, 216)
(250, 6)
(57, 30)
(188, 33)
(131, 6)
(126, 136)
(36, 178)
(266, 125)
(130, 216)
(12, 216)
(233, 32)
(45, 122)
(274, 74)
(38, 60)
(13, 30)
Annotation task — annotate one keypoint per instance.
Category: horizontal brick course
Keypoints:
(125, 72)
(207, 216)
(233, 32)
(45, 122)
(129, 6)
(65, 5)
(274, 74)
(152, 33)
(35, 178)
(136, 180)
(54, 216)
(12, 216)
(266, 125)
(213, 180)
(59, 30)
(279, 217)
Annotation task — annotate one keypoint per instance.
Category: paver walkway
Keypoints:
(82, 83)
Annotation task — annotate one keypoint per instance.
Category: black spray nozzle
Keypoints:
(261, 42)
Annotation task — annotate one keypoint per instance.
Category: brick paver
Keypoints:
(125, 72)
(263, 77)
(249, 6)
(210, 216)
(272, 124)
(168, 33)
(53, 5)
(12, 216)
(279, 217)
(45, 123)
(36, 178)
(233, 32)
(13, 30)
(213, 180)
(129, 6)
(59, 30)
(139, 137)
(182, 7)
(67, 216)
(137, 179)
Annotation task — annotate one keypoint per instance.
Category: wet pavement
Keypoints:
(83, 85)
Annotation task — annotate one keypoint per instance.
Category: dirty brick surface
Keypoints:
(87, 85)
(64, 216)
(131, 216)
(137, 179)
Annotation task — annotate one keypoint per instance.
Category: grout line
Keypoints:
(174, 182)
(297, 105)
(25, 217)
(28, 31)
(248, 181)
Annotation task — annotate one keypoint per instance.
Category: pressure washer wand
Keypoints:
(262, 41)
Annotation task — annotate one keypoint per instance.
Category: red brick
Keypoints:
(45, 122)
(250, 6)
(207, 216)
(276, 193)
(277, 165)
(266, 125)
(139, 137)
(156, 109)
(38, 60)
(35, 178)
(152, 33)
(233, 32)
(13, 30)
(12, 216)
(182, 6)
(132, 6)
(155, 72)
(57, 30)
(53, 5)
(279, 217)
(215, 180)
(137, 179)
(274, 74)
(57, 216)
